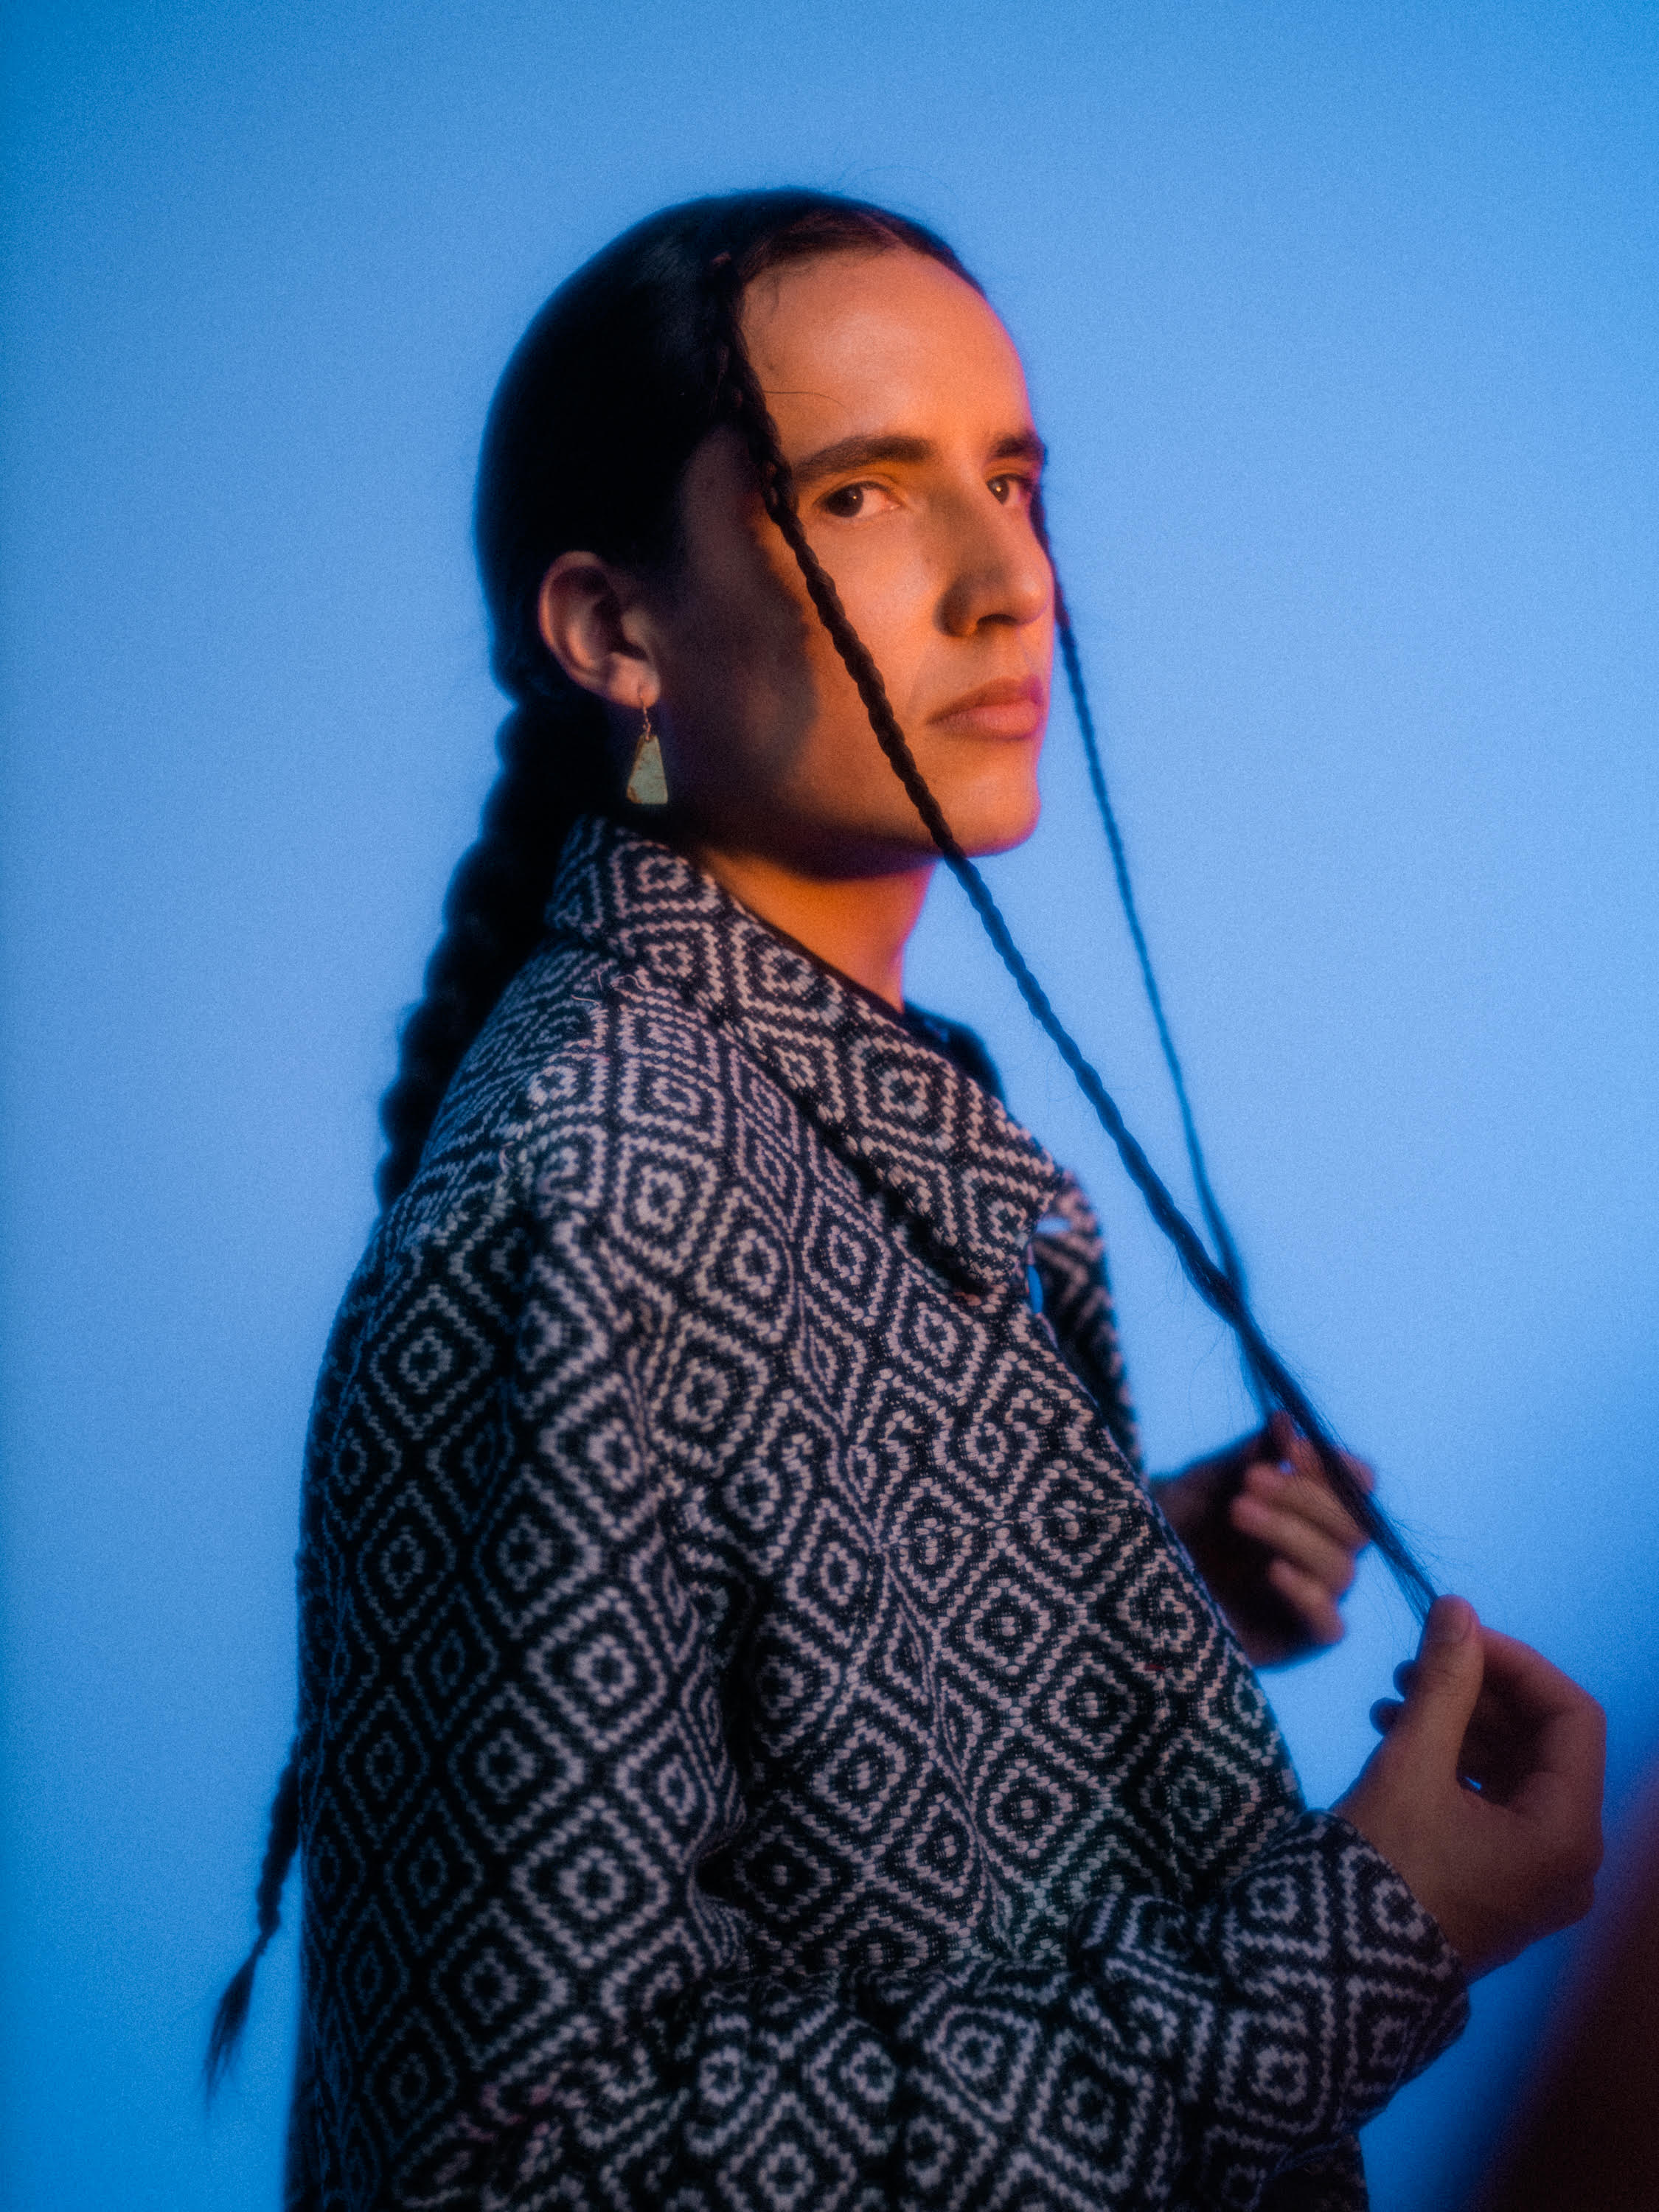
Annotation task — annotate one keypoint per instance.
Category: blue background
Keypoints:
(1341, 322)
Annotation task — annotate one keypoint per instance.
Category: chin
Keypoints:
(996, 815)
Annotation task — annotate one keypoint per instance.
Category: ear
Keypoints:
(591, 621)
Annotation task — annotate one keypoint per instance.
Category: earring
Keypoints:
(647, 783)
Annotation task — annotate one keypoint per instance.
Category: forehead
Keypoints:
(856, 341)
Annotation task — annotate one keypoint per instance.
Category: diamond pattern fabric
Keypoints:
(760, 1746)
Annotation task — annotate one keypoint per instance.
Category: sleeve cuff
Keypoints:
(1290, 2009)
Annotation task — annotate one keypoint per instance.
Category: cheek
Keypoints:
(738, 683)
(890, 594)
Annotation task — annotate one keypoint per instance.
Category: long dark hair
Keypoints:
(626, 370)
(615, 385)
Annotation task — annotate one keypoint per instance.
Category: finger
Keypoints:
(1310, 1599)
(1526, 1680)
(1445, 1684)
(1405, 1674)
(1328, 1563)
(1490, 1736)
(1487, 1707)
(1501, 1770)
(1503, 1755)
(1489, 1753)
(1312, 1498)
(1567, 1727)
(1302, 1459)
(1278, 1441)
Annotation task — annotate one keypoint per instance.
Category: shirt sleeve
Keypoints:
(1169, 2066)
(523, 1996)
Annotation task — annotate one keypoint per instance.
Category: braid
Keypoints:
(1268, 1374)
(281, 1841)
(1226, 1249)
(552, 752)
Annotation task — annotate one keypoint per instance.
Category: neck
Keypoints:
(859, 924)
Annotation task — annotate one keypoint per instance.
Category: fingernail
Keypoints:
(1451, 1621)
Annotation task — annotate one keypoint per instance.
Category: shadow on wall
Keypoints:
(1584, 2136)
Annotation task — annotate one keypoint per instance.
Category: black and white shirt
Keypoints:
(760, 1746)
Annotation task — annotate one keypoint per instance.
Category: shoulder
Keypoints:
(592, 1089)
(590, 1123)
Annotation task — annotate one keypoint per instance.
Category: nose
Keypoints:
(996, 569)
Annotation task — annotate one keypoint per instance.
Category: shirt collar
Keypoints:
(939, 1147)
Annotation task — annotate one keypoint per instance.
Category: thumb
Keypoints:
(1444, 1683)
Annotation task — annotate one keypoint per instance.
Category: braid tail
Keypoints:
(281, 1841)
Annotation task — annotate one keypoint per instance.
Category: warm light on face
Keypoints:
(902, 409)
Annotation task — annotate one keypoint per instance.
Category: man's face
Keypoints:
(902, 409)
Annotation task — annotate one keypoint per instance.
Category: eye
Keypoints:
(1011, 487)
(850, 500)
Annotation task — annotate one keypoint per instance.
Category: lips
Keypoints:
(1011, 706)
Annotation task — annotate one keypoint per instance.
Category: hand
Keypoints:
(1485, 1794)
(1266, 1532)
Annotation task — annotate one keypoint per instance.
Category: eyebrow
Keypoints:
(865, 452)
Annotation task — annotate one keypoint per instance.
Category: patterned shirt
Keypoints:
(761, 1745)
